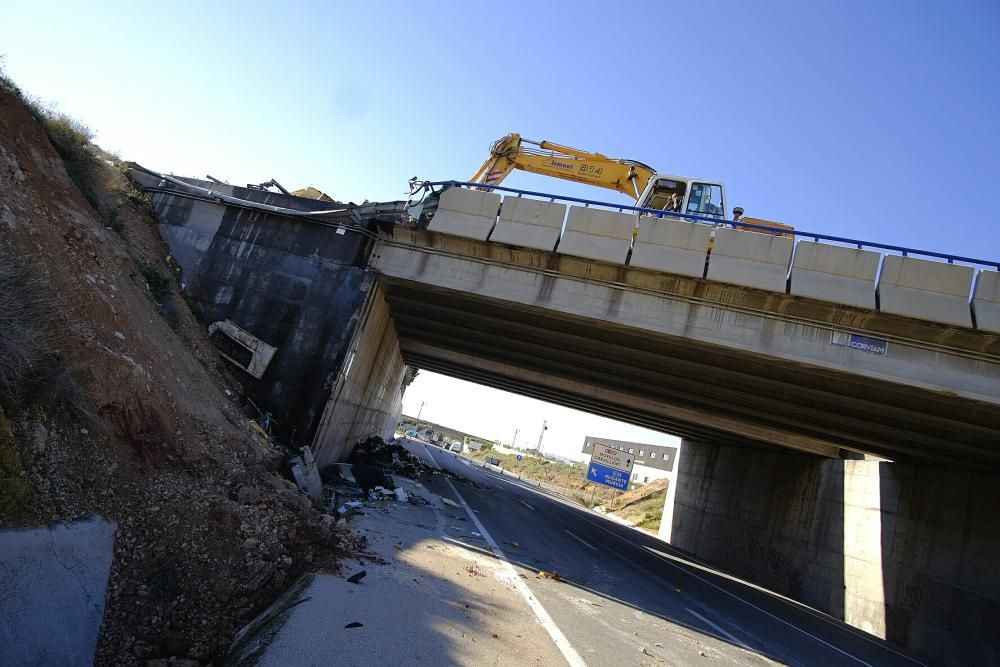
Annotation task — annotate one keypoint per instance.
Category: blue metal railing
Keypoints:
(860, 244)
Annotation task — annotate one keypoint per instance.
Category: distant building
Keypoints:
(442, 434)
(651, 462)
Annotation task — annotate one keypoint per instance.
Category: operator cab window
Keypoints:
(706, 199)
(659, 197)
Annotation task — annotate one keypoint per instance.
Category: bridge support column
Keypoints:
(367, 398)
(904, 552)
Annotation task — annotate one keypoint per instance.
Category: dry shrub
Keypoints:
(27, 350)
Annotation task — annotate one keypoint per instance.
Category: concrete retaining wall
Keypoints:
(292, 283)
(367, 399)
(903, 552)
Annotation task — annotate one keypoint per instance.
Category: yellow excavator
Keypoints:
(650, 188)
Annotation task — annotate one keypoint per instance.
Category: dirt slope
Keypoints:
(140, 429)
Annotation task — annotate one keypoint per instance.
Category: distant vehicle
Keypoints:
(456, 446)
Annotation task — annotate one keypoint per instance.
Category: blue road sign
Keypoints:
(858, 342)
(616, 479)
(519, 457)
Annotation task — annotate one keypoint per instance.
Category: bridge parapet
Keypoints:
(935, 287)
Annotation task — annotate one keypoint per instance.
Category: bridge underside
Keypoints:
(672, 383)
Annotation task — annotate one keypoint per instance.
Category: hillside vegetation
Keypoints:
(112, 403)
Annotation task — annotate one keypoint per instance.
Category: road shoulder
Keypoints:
(434, 592)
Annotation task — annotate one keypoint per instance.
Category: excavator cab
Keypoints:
(706, 199)
(696, 197)
(658, 194)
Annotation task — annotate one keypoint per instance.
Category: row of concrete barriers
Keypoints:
(909, 286)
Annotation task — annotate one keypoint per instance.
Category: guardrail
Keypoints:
(858, 243)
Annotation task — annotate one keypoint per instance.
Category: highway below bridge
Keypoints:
(623, 589)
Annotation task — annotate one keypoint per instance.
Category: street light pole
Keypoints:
(421, 410)
(513, 444)
(545, 427)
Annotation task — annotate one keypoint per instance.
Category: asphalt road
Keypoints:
(627, 598)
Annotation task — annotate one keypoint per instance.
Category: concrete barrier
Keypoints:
(671, 245)
(467, 213)
(529, 223)
(597, 234)
(835, 273)
(926, 290)
(986, 301)
(53, 582)
(750, 259)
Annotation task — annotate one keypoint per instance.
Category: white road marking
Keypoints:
(717, 628)
(733, 595)
(431, 457)
(526, 505)
(581, 513)
(581, 541)
(572, 657)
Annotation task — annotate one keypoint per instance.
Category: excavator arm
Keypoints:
(550, 159)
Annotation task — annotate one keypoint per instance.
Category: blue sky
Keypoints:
(867, 119)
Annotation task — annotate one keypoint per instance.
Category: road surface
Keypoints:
(627, 598)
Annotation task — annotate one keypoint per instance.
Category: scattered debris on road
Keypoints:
(553, 575)
(355, 624)
(356, 578)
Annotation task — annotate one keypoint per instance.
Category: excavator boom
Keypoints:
(550, 159)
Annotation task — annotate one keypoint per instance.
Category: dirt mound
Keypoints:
(140, 429)
(640, 493)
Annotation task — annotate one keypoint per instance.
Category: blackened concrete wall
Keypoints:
(907, 553)
(293, 283)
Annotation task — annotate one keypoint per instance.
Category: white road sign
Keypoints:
(612, 457)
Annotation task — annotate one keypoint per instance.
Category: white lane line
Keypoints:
(572, 657)
(717, 628)
(732, 595)
(580, 540)
(526, 505)
(431, 457)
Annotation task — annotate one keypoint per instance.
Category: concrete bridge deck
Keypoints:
(704, 359)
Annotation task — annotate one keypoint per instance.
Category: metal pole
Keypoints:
(420, 411)
(592, 494)
(514, 444)
(545, 427)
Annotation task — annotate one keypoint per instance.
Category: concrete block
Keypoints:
(529, 223)
(467, 213)
(835, 273)
(597, 234)
(750, 259)
(986, 301)
(926, 290)
(671, 245)
(52, 588)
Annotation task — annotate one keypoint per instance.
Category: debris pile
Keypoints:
(350, 487)
(391, 456)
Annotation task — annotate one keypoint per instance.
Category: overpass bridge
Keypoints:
(814, 345)
(783, 362)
